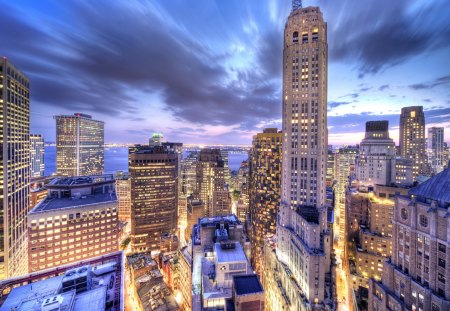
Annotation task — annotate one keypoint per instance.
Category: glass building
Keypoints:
(37, 155)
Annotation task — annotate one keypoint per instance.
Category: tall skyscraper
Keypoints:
(15, 172)
(417, 275)
(154, 197)
(376, 154)
(436, 149)
(80, 142)
(303, 237)
(265, 188)
(37, 155)
(412, 138)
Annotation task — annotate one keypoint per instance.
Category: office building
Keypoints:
(123, 191)
(412, 138)
(330, 178)
(416, 277)
(189, 173)
(37, 155)
(248, 293)
(77, 221)
(376, 153)
(154, 197)
(264, 190)
(436, 149)
(303, 237)
(79, 145)
(93, 284)
(15, 169)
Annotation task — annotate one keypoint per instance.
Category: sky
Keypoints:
(210, 72)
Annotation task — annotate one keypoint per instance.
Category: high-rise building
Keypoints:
(412, 138)
(345, 159)
(303, 236)
(189, 173)
(417, 275)
(123, 191)
(79, 145)
(376, 153)
(37, 155)
(211, 183)
(15, 171)
(154, 197)
(265, 188)
(77, 221)
(436, 149)
(330, 178)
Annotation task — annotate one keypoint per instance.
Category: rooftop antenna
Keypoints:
(296, 4)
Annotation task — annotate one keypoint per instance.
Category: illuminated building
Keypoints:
(412, 138)
(77, 221)
(185, 277)
(417, 275)
(402, 172)
(264, 190)
(330, 168)
(37, 155)
(154, 197)
(376, 154)
(436, 149)
(303, 237)
(79, 145)
(211, 183)
(15, 172)
(189, 173)
(345, 159)
(123, 190)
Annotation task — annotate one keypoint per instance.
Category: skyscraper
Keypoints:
(15, 172)
(376, 154)
(412, 138)
(154, 196)
(436, 149)
(303, 237)
(37, 155)
(265, 184)
(79, 145)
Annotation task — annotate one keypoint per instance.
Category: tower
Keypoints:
(15, 171)
(80, 142)
(37, 155)
(412, 138)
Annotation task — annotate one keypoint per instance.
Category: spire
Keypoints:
(296, 4)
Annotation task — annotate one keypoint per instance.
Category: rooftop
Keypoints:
(80, 181)
(247, 284)
(436, 188)
(235, 254)
(213, 221)
(309, 213)
(49, 204)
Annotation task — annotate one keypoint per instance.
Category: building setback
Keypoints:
(154, 197)
(265, 188)
(79, 145)
(77, 221)
(15, 169)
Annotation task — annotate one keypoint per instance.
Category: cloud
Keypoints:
(430, 85)
(383, 87)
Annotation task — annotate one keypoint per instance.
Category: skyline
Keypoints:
(183, 76)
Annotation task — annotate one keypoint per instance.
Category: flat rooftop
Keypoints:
(247, 284)
(229, 255)
(49, 204)
(213, 221)
(309, 213)
(80, 180)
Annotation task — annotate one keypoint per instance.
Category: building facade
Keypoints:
(15, 171)
(376, 153)
(264, 190)
(416, 277)
(37, 155)
(80, 142)
(436, 149)
(123, 190)
(77, 221)
(154, 196)
(412, 138)
(303, 236)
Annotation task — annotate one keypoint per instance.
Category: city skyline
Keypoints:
(187, 77)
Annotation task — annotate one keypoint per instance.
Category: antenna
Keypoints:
(296, 4)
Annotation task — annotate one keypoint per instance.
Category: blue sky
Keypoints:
(209, 71)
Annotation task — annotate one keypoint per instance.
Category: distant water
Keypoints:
(116, 159)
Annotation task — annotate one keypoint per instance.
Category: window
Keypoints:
(404, 213)
(295, 37)
(441, 262)
(441, 247)
(423, 220)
